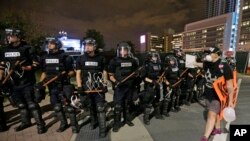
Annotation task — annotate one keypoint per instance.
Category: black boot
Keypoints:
(117, 118)
(74, 123)
(186, 99)
(61, 117)
(191, 97)
(25, 120)
(3, 125)
(146, 115)
(93, 119)
(172, 108)
(64, 124)
(39, 121)
(157, 109)
(128, 116)
(102, 124)
(177, 103)
(165, 107)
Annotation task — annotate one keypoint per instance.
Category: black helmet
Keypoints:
(153, 56)
(171, 61)
(123, 46)
(13, 31)
(90, 41)
(56, 42)
(177, 52)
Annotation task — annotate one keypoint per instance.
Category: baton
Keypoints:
(184, 72)
(53, 79)
(133, 73)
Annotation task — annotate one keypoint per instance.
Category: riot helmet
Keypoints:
(13, 36)
(178, 52)
(171, 61)
(54, 45)
(123, 50)
(90, 45)
(153, 57)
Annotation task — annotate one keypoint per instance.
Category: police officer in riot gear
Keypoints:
(57, 63)
(179, 55)
(119, 68)
(17, 56)
(171, 90)
(151, 98)
(190, 79)
(91, 77)
(3, 125)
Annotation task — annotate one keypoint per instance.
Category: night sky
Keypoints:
(117, 20)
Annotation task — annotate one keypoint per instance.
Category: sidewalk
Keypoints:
(30, 134)
(138, 132)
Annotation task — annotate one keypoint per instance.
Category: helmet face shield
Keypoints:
(89, 45)
(155, 57)
(172, 61)
(123, 50)
(12, 35)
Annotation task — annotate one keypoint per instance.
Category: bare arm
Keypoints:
(78, 78)
(71, 73)
(112, 77)
(43, 76)
(105, 76)
(1, 74)
(230, 90)
(148, 80)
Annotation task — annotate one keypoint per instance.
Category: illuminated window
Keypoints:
(204, 36)
(204, 31)
(246, 7)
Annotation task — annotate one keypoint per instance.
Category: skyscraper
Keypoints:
(219, 7)
(245, 27)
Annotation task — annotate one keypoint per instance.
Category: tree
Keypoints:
(92, 33)
(30, 31)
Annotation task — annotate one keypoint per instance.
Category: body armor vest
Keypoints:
(172, 73)
(124, 67)
(54, 64)
(20, 53)
(153, 70)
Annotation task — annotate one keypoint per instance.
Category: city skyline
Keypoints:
(116, 20)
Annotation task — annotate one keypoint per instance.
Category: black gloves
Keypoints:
(80, 90)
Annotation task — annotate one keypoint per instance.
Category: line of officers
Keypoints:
(17, 76)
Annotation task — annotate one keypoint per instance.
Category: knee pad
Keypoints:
(70, 109)
(100, 107)
(118, 107)
(58, 108)
(21, 105)
(32, 106)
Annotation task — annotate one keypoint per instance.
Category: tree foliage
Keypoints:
(92, 33)
(30, 31)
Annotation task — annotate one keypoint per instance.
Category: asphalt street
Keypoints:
(188, 124)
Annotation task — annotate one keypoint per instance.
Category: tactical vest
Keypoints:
(124, 67)
(54, 64)
(153, 70)
(10, 56)
(172, 73)
(181, 63)
(91, 65)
